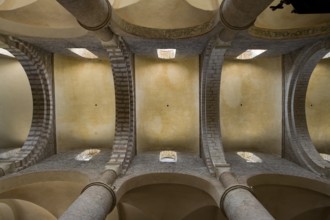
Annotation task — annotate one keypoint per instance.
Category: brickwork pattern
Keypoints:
(36, 65)
(122, 68)
(211, 145)
(297, 144)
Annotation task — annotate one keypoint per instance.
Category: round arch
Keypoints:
(168, 195)
(298, 145)
(37, 145)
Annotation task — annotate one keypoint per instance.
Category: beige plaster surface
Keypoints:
(11, 209)
(207, 5)
(23, 18)
(148, 202)
(291, 197)
(318, 105)
(250, 105)
(285, 202)
(85, 103)
(167, 104)
(14, 4)
(52, 13)
(54, 196)
(52, 192)
(15, 104)
(284, 19)
(161, 14)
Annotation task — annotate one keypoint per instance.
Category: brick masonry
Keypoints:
(211, 145)
(297, 144)
(37, 64)
(122, 69)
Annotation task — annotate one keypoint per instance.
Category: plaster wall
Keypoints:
(287, 202)
(34, 195)
(85, 103)
(23, 18)
(251, 105)
(163, 12)
(167, 104)
(181, 201)
(318, 105)
(15, 104)
(284, 19)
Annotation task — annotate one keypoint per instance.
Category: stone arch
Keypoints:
(298, 146)
(182, 194)
(211, 143)
(189, 180)
(123, 74)
(39, 143)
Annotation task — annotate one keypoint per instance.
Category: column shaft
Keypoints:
(96, 201)
(238, 15)
(92, 15)
(238, 202)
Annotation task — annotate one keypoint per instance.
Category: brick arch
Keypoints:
(298, 146)
(211, 144)
(123, 149)
(37, 146)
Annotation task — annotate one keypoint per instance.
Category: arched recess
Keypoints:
(167, 195)
(287, 197)
(121, 60)
(40, 141)
(211, 145)
(298, 146)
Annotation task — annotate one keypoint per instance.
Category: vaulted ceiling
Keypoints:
(48, 25)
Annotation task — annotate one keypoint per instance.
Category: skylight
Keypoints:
(249, 157)
(250, 54)
(6, 53)
(166, 53)
(168, 156)
(326, 56)
(325, 156)
(87, 155)
(83, 52)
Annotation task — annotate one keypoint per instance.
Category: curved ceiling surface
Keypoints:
(284, 19)
(23, 18)
(170, 14)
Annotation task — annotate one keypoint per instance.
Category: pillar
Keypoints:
(2, 172)
(238, 202)
(236, 15)
(93, 15)
(96, 201)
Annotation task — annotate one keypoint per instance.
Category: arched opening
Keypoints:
(15, 109)
(317, 108)
(290, 197)
(167, 196)
(40, 194)
(299, 146)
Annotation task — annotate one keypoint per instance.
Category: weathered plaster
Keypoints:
(167, 103)
(85, 106)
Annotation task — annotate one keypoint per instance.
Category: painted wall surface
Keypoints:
(284, 19)
(85, 103)
(167, 104)
(15, 104)
(250, 105)
(318, 105)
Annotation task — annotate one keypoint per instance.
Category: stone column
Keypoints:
(96, 201)
(236, 15)
(93, 15)
(238, 203)
(2, 172)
